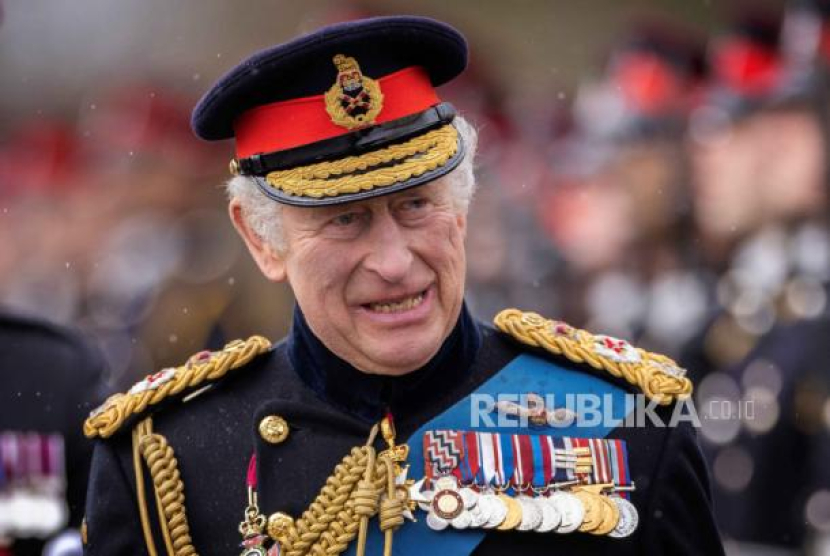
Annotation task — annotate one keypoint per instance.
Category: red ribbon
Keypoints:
(251, 481)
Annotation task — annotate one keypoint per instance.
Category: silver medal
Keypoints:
(480, 513)
(498, 511)
(463, 521)
(469, 496)
(551, 518)
(629, 518)
(531, 514)
(436, 523)
(571, 510)
(447, 482)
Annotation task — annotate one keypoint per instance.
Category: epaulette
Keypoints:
(198, 372)
(658, 376)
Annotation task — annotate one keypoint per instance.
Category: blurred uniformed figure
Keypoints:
(50, 378)
(619, 209)
(380, 423)
(760, 195)
(761, 192)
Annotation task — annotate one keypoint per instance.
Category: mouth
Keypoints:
(397, 305)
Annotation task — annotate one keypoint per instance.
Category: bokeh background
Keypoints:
(654, 170)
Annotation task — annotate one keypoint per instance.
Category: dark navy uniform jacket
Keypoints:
(49, 380)
(330, 408)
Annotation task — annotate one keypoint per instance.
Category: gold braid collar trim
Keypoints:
(353, 174)
(659, 377)
(200, 370)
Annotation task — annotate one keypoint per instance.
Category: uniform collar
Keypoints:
(368, 396)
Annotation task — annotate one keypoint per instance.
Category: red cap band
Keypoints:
(292, 123)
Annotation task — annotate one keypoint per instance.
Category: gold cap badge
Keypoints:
(354, 100)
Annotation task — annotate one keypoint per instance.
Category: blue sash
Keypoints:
(524, 374)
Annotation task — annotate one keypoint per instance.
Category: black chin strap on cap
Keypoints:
(354, 143)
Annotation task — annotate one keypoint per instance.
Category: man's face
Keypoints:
(381, 281)
(724, 181)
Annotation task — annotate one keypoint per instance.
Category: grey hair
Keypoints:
(264, 216)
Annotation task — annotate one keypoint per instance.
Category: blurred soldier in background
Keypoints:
(49, 380)
(759, 151)
(759, 172)
(621, 217)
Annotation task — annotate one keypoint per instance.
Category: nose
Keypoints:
(389, 254)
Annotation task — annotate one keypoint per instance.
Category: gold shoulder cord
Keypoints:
(362, 485)
(168, 488)
(105, 421)
(656, 375)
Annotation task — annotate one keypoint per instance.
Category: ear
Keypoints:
(269, 261)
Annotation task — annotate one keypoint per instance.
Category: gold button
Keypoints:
(279, 526)
(84, 532)
(233, 167)
(273, 429)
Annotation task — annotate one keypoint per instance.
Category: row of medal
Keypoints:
(525, 483)
(32, 485)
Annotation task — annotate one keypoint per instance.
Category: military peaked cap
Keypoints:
(347, 112)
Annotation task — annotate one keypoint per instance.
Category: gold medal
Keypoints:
(593, 510)
(611, 516)
(514, 514)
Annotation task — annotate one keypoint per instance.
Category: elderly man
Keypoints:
(389, 419)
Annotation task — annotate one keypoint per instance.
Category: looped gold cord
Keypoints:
(391, 509)
(349, 497)
(368, 171)
(168, 488)
(656, 375)
(120, 407)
